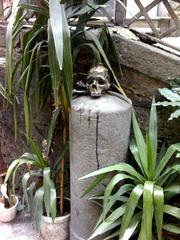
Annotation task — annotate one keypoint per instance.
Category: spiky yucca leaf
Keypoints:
(146, 198)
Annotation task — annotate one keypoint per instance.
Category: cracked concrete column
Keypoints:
(99, 135)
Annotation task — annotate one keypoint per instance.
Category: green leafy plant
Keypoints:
(138, 196)
(49, 46)
(173, 95)
(38, 184)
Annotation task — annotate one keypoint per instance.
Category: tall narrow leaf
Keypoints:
(153, 132)
(55, 10)
(38, 209)
(148, 208)
(47, 189)
(67, 57)
(158, 209)
(130, 208)
(10, 45)
(54, 67)
(140, 142)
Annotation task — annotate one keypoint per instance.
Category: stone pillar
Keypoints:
(99, 136)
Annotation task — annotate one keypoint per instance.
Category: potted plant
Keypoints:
(138, 200)
(49, 47)
(8, 202)
(48, 51)
(8, 205)
(40, 193)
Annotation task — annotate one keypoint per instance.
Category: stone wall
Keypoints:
(146, 68)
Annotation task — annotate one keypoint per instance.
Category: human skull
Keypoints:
(98, 80)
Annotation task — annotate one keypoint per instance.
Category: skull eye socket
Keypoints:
(101, 81)
(90, 80)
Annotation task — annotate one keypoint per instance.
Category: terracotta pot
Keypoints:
(8, 214)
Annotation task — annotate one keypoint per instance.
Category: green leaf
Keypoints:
(113, 235)
(148, 208)
(37, 151)
(132, 226)
(173, 189)
(114, 198)
(171, 210)
(10, 44)
(113, 48)
(140, 142)
(12, 167)
(116, 179)
(51, 129)
(169, 94)
(109, 223)
(150, 158)
(47, 189)
(172, 228)
(35, 8)
(162, 179)
(55, 11)
(25, 179)
(92, 47)
(67, 59)
(16, 168)
(135, 152)
(54, 67)
(117, 196)
(158, 209)
(93, 184)
(99, 47)
(38, 209)
(103, 228)
(130, 208)
(153, 132)
(165, 104)
(175, 114)
(25, 187)
(53, 197)
(170, 151)
(120, 167)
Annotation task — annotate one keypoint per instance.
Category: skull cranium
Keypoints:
(97, 80)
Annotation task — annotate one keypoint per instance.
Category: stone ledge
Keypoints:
(147, 59)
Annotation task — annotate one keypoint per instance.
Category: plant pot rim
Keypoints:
(59, 219)
(11, 208)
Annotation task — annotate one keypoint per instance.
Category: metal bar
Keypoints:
(172, 13)
(168, 32)
(139, 14)
(142, 9)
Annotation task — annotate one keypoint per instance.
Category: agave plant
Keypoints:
(173, 95)
(137, 197)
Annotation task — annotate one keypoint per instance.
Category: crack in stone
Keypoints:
(89, 118)
(80, 115)
(97, 136)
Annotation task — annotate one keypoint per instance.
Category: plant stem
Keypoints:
(62, 176)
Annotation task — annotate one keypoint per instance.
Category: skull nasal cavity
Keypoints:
(94, 85)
